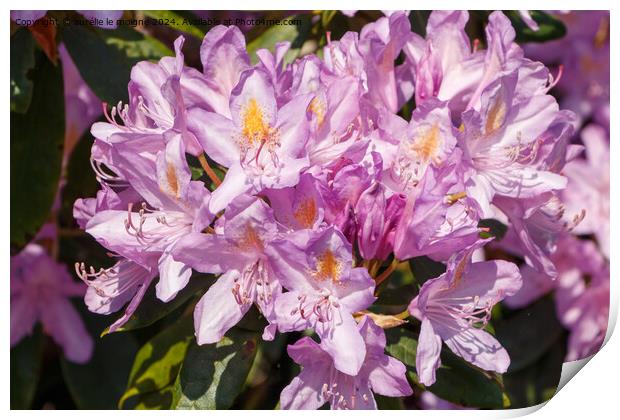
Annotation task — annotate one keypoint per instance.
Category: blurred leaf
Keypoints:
(550, 28)
(175, 21)
(457, 381)
(213, 375)
(529, 333)
(100, 383)
(151, 309)
(496, 228)
(423, 268)
(37, 139)
(104, 58)
(25, 369)
(389, 403)
(394, 301)
(80, 179)
(296, 35)
(156, 367)
(418, 20)
(22, 61)
(537, 382)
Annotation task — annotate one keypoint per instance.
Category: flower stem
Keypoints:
(387, 272)
(208, 170)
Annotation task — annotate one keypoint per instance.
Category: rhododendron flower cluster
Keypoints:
(312, 187)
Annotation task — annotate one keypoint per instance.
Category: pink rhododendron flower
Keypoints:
(323, 293)
(41, 290)
(238, 251)
(320, 381)
(454, 305)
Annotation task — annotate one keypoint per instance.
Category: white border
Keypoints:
(593, 395)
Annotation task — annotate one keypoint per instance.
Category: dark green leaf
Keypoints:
(151, 309)
(37, 139)
(466, 385)
(22, 61)
(550, 28)
(423, 268)
(296, 35)
(80, 178)
(457, 381)
(394, 301)
(496, 228)
(213, 375)
(156, 367)
(100, 383)
(529, 333)
(25, 369)
(537, 382)
(388, 403)
(104, 58)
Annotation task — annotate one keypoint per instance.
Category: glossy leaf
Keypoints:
(156, 367)
(36, 152)
(213, 375)
(529, 333)
(457, 381)
(549, 27)
(22, 62)
(104, 58)
(295, 34)
(423, 268)
(100, 383)
(151, 309)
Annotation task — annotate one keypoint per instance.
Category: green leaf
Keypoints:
(550, 28)
(496, 228)
(389, 403)
(156, 367)
(295, 34)
(151, 309)
(537, 382)
(100, 383)
(466, 385)
(104, 58)
(457, 381)
(25, 369)
(213, 375)
(394, 301)
(529, 333)
(176, 21)
(22, 62)
(423, 269)
(37, 139)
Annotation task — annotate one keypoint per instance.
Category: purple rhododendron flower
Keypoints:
(327, 171)
(239, 251)
(323, 293)
(454, 306)
(320, 381)
(41, 290)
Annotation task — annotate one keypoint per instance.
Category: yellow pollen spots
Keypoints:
(173, 182)
(305, 214)
(255, 128)
(426, 146)
(496, 116)
(250, 240)
(328, 267)
(318, 109)
(462, 127)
